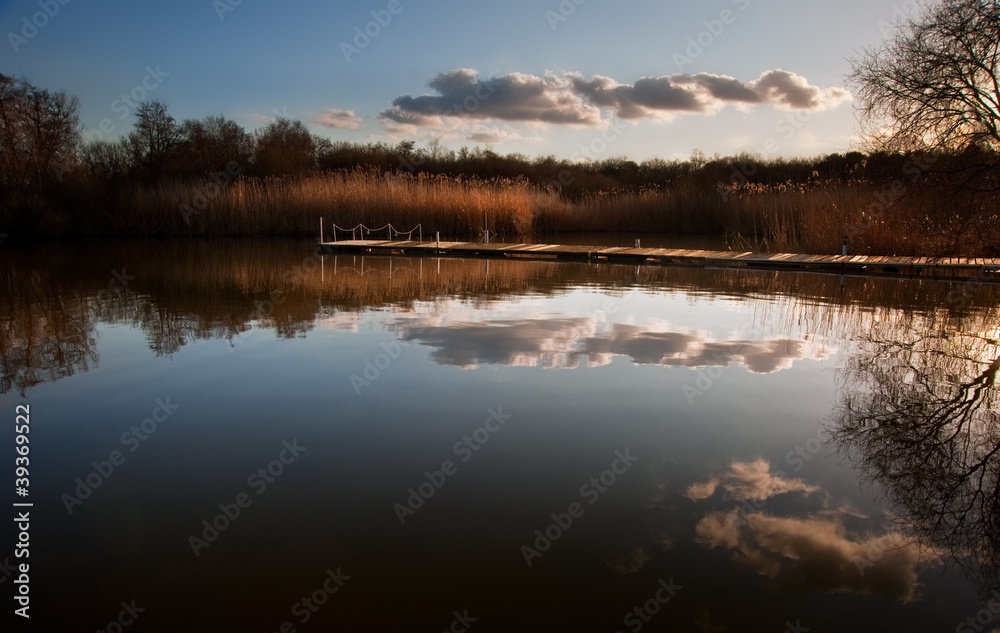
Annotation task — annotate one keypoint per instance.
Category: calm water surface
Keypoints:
(241, 436)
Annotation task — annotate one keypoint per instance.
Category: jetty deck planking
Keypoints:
(984, 269)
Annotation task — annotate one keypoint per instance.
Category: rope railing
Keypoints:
(392, 231)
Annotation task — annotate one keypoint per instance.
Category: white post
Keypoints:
(321, 230)
(437, 239)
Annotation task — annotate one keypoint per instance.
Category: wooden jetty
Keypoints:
(982, 269)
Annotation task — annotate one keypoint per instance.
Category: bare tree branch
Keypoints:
(936, 83)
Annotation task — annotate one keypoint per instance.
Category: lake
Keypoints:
(248, 436)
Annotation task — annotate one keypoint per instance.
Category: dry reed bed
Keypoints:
(810, 218)
(293, 207)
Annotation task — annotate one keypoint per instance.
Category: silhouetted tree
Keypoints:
(39, 134)
(936, 83)
(935, 87)
(284, 147)
(210, 144)
(153, 140)
(107, 161)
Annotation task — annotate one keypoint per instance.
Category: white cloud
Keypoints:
(339, 119)
(792, 91)
(817, 554)
(566, 342)
(749, 480)
(511, 97)
(571, 99)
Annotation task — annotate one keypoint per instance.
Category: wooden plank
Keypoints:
(905, 265)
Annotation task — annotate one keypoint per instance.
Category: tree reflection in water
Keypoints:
(44, 335)
(918, 415)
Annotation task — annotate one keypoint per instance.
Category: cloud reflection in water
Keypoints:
(567, 342)
(815, 552)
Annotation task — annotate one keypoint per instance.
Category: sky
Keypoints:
(576, 79)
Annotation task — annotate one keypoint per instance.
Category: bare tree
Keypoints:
(935, 84)
(212, 143)
(39, 133)
(155, 136)
(284, 147)
(108, 161)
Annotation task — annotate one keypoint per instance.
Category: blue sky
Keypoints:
(635, 78)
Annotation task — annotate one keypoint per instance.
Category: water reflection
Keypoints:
(811, 551)
(181, 292)
(920, 417)
(917, 413)
(46, 331)
(568, 342)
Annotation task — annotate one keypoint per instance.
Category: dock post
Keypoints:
(843, 249)
(321, 230)
(437, 239)
(637, 243)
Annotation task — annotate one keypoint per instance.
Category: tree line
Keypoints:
(45, 159)
(41, 143)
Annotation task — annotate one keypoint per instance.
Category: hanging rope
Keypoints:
(392, 231)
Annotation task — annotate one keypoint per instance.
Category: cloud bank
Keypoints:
(511, 97)
(571, 99)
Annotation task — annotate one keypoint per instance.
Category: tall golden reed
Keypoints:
(292, 206)
(809, 218)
